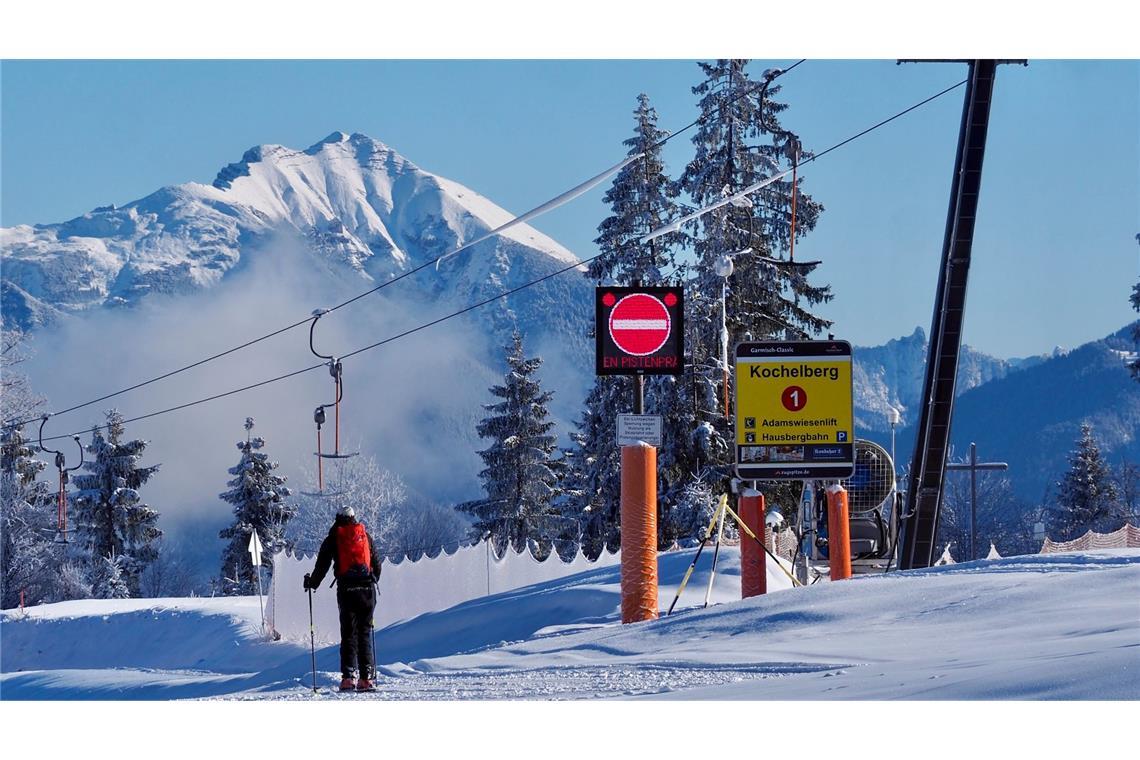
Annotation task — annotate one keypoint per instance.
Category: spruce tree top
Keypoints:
(739, 142)
(641, 199)
(1088, 483)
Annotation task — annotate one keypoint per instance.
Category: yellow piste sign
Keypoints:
(794, 410)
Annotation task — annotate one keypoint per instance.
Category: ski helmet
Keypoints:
(346, 511)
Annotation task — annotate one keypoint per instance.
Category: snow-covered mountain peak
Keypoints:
(353, 199)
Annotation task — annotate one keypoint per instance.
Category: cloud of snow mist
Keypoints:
(413, 403)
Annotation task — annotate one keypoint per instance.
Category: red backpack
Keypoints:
(352, 550)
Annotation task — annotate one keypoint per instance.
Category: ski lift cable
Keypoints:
(484, 302)
(676, 225)
(550, 205)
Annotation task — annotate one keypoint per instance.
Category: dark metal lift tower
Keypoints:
(932, 442)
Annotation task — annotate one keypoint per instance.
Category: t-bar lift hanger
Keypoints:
(61, 465)
(337, 372)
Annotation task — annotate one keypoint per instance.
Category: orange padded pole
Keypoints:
(838, 533)
(638, 533)
(753, 558)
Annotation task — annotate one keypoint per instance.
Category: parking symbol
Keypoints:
(841, 436)
(750, 438)
(749, 422)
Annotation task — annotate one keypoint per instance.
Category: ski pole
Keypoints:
(372, 624)
(716, 553)
(701, 548)
(312, 634)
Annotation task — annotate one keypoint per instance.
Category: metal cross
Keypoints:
(973, 467)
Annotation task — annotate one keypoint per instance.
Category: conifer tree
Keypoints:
(594, 481)
(521, 479)
(678, 461)
(1134, 365)
(739, 142)
(259, 503)
(111, 519)
(641, 199)
(693, 510)
(567, 504)
(29, 560)
(1086, 495)
(107, 580)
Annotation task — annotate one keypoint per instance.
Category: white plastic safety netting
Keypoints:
(411, 588)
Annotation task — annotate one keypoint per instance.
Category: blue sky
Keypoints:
(1054, 258)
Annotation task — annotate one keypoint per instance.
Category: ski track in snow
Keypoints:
(562, 683)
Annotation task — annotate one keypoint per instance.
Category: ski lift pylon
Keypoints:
(64, 477)
(336, 369)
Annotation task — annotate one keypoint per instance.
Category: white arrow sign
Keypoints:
(255, 549)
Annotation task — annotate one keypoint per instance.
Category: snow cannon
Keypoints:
(872, 519)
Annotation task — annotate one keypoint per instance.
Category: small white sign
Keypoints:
(635, 428)
(255, 549)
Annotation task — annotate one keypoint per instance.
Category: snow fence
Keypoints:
(1127, 537)
(411, 588)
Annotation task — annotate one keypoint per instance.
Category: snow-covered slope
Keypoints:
(355, 202)
(1033, 627)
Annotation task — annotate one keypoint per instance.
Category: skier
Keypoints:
(356, 567)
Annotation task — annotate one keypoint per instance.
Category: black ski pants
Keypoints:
(356, 604)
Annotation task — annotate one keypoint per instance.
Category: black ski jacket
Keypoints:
(328, 556)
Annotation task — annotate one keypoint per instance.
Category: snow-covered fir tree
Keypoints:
(739, 142)
(694, 507)
(567, 505)
(521, 479)
(593, 483)
(1134, 365)
(29, 558)
(1086, 495)
(111, 520)
(259, 503)
(671, 397)
(107, 581)
(641, 199)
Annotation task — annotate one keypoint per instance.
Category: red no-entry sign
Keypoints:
(639, 331)
(639, 324)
